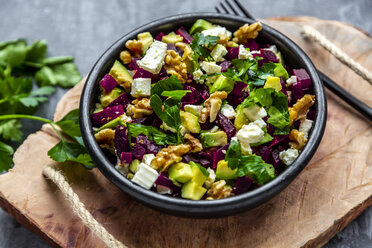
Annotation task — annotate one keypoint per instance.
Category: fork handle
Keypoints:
(361, 107)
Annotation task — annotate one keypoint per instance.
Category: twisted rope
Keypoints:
(314, 35)
(79, 209)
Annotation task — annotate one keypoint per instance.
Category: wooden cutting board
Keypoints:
(333, 189)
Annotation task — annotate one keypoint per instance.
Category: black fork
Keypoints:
(234, 7)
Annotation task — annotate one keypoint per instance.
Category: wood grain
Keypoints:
(333, 189)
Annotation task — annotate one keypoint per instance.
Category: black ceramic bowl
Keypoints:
(293, 56)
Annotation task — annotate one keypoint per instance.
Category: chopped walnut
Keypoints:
(212, 106)
(135, 46)
(105, 138)
(298, 139)
(175, 66)
(141, 108)
(125, 57)
(300, 108)
(187, 55)
(169, 155)
(195, 144)
(219, 190)
(225, 41)
(246, 32)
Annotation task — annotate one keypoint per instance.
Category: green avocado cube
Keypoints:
(240, 119)
(273, 82)
(180, 172)
(190, 122)
(222, 83)
(146, 40)
(192, 191)
(198, 176)
(210, 139)
(133, 167)
(112, 124)
(107, 98)
(200, 25)
(280, 71)
(120, 73)
(224, 172)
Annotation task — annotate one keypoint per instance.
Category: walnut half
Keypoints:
(141, 108)
(195, 144)
(175, 66)
(169, 155)
(212, 106)
(219, 190)
(298, 139)
(246, 32)
(300, 108)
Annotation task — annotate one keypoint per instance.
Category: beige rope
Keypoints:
(79, 209)
(314, 35)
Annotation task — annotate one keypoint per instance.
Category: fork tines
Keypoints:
(233, 7)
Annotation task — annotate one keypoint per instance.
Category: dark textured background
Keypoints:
(86, 28)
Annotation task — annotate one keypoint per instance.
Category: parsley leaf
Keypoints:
(200, 43)
(70, 123)
(10, 130)
(168, 84)
(175, 94)
(6, 153)
(152, 133)
(252, 166)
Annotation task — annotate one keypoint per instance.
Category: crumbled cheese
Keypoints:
(228, 111)
(154, 57)
(218, 52)
(244, 53)
(141, 87)
(216, 31)
(292, 80)
(214, 129)
(255, 112)
(210, 180)
(197, 74)
(147, 158)
(250, 133)
(165, 127)
(288, 156)
(210, 67)
(259, 122)
(305, 127)
(145, 176)
(246, 148)
(273, 49)
(163, 190)
(125, 118)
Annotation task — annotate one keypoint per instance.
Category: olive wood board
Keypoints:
(332, 190)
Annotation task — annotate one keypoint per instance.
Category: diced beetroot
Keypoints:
(120, 100)
(263, 151)
(187, 38)
(274, 157)
(203, 158)
(270, 129)
(147, 120)
(204, 94)
(163, 74)
(225, 65)
(219, 155)
(279, 139)
(121, 141)
(149, 145)
(238, 88)
(297, 91)
(226, 125)
(236, 100)
(138, 151)
(296, 124)
(284, 87)
(242, 185)
(141, 73)
(126, 158)
(164, 181)
(303, 78)
(191, 97)
(108, 83)
(171, 46)
(133, 64)
(251, 44)
(232, 53)
(106, 115)
(311, 115)
(267, 56)
(159, 36)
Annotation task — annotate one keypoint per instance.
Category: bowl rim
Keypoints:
(201, 208)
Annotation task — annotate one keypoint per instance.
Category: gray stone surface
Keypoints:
(86, 28)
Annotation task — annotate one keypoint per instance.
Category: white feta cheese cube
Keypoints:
(292, 80)
(211, 178)
(193, 109)
(197, 74)
(145, 176)
(218, 52)
(141, 87)
(244, 53)
(259, 122)
(272, 48)
(228, 111)
(255, 112)
(125, 118)
(147, 158)
(288, 156)
(305, 127)
(250, 133)
(216, 31)
(246, 148)
(154, 57)
(210, 67)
